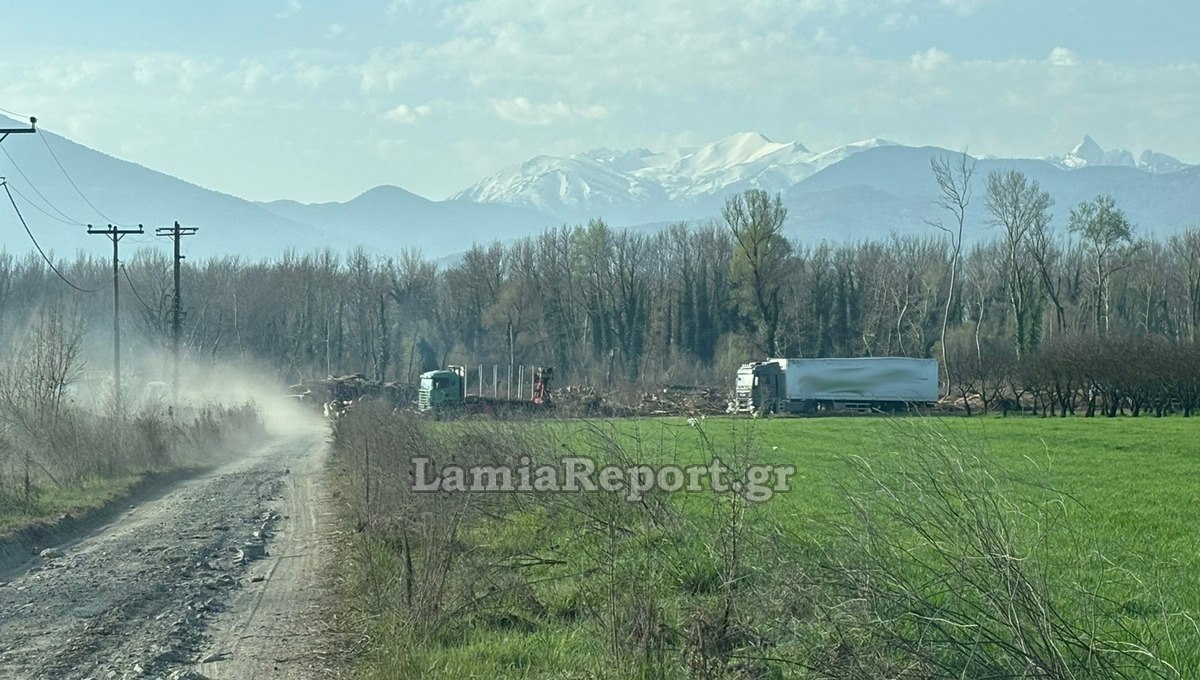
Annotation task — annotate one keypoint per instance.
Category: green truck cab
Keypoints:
(441, 388)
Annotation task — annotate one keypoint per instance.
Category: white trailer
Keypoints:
(806, 385)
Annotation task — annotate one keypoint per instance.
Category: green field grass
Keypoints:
(52, 502)
(1121, 493)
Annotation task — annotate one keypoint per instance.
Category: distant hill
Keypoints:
(127, 193)
(868, 189)
(891, 189)
(387, 219)
(383, 220)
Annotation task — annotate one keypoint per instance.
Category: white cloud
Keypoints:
(149, 68)
(382, 72)
(248, 74)
(524, 112)
(928, 60)
(407, 115)
(311, 75)
(335, 29)
(1061, 56)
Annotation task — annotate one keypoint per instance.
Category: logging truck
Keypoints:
(446, 391)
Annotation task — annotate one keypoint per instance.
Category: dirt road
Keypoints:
(219, 576)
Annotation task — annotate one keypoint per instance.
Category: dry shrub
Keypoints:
(50, 436)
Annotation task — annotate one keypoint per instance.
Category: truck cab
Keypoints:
(441, 388)
(759, 387)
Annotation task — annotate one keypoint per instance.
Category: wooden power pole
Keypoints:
(176, 234)
(115, 234)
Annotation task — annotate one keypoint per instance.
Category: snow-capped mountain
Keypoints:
(642, 186)
(615, 182)
(735, 160)
(1153, 161)
(1089, 154)
(571, 185)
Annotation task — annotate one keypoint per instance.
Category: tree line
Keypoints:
(685, 304)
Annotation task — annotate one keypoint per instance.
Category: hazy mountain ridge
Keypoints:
(867, 189)
(129, 194)
(383, 220)
(891, 190)
(643, 186)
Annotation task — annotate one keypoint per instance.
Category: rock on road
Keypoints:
(217, 577)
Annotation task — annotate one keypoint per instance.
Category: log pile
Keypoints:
(581, 401)
(335, 394)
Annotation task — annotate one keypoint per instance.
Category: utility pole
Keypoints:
(115, 234)
(176, 233)
(4, 132)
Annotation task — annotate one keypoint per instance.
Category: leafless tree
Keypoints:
(954, 179)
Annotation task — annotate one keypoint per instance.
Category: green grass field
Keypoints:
(1122, 495)
(53, 501)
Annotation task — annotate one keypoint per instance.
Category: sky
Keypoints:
(320, 101)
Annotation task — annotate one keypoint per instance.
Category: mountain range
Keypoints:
(867, 189)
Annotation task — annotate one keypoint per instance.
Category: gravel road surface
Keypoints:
(218, 576)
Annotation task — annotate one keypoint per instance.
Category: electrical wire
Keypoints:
(73, 184)
(65, 219)
(38, 191)
(39, 247)
(137, 295)
(43, 211)
(14, 113)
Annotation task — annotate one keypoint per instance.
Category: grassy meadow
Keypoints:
(1087, 528)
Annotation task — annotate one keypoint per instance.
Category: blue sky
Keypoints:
(320, 101)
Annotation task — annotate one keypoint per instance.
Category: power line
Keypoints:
(13, 113)
(38, 191)
(43, 211)
(72, 182)
(133, 288)
(39, 247)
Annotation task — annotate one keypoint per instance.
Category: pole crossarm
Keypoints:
(114, 231)
(4, 132)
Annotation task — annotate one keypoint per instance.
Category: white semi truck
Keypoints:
(861, 384)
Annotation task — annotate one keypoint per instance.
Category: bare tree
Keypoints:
(1186, 247)
(33, 389)
(1047, 253)
(954, 187)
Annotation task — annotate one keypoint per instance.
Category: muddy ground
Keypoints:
(216, 576)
